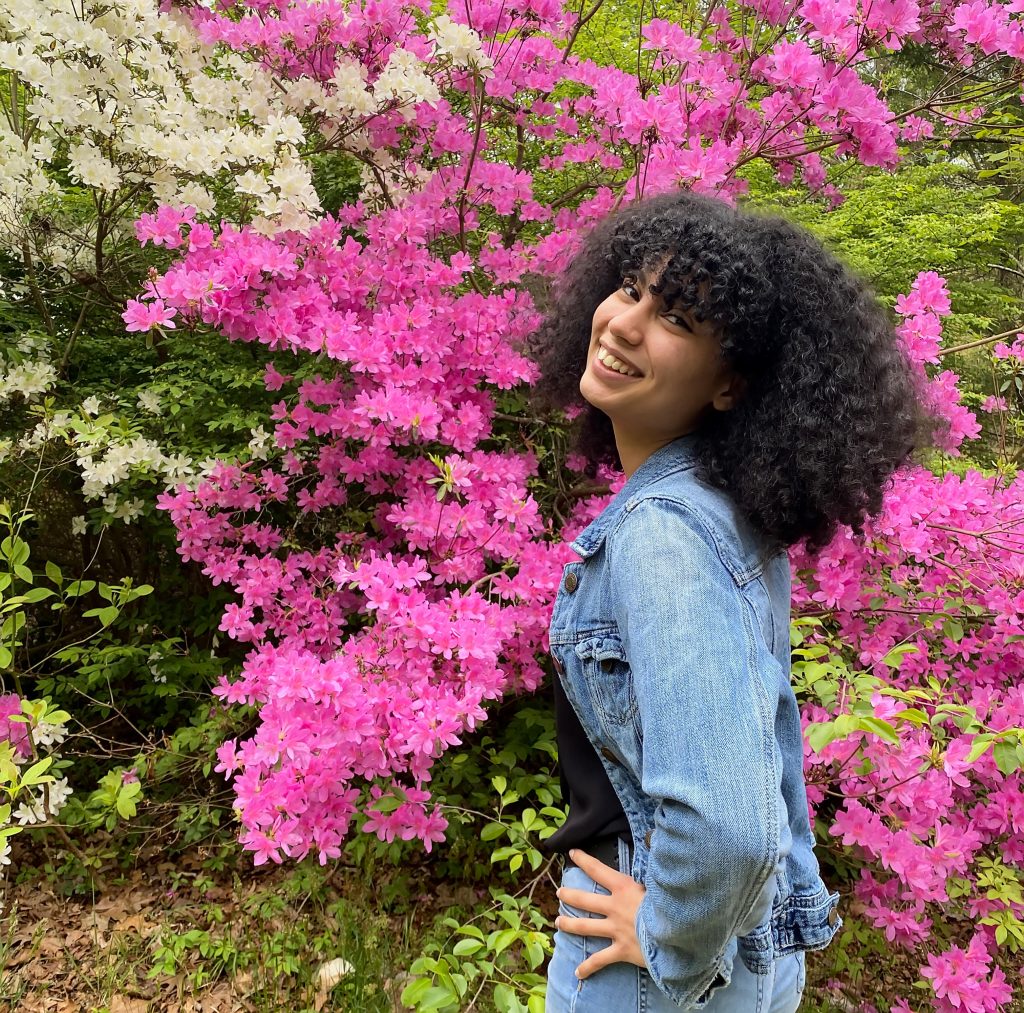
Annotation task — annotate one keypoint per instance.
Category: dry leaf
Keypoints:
(123, 1004)
(333, 971)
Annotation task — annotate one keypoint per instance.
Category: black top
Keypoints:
(594, 808)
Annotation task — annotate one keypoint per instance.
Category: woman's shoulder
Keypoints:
(682, 499)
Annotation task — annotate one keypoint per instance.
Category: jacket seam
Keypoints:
(741, 577)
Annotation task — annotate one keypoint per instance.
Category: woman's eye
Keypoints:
(677, 321)
(630, 289)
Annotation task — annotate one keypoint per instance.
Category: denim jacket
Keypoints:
(671, 639)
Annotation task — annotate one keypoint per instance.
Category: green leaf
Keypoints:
(504, 998)
(464, 947)
(79, 587)
(106, 615)
(437, 997)
(820, 734)
(492, 831)
(895, 656)
(414, 992)
(386, 804)
(125, 804)
(36, 594)
(53, 571)
(981, 745)
(534, 951)
(36, 774)
(1005, 755)
(881, 728)
(501, 940)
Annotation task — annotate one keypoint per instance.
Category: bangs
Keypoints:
(681, 262)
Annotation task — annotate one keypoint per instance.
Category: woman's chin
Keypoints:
(592, 390)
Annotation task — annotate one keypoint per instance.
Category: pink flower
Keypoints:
(15, 732)
(164, 228)
(1001, 350)
(142, 316)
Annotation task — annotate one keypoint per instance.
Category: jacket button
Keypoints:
(833, 915)
(571, 582)
(609, 755)
(647, 839)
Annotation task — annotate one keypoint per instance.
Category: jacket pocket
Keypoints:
(609, 680)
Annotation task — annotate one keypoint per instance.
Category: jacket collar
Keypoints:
(674, 456)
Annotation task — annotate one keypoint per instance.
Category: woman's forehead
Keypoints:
(679, 288)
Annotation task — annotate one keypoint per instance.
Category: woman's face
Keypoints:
(651, 368)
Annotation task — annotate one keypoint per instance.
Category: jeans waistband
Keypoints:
(605, 849)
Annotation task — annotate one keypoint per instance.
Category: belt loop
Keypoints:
(625, 857)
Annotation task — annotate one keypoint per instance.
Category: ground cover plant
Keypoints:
(269, 274)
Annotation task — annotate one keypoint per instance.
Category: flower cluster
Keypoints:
(24, 731)
(127, 95)
(932, 799)
(25, 368)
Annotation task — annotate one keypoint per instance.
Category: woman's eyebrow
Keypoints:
(642, 278)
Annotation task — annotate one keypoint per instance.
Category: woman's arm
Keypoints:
(709, 756)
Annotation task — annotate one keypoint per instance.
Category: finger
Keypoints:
(587, 900)
(601, 874)
(584, 926)
(595, 868)
(609, 955)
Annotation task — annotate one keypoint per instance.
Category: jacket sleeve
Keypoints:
(709, 758)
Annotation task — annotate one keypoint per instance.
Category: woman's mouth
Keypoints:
(614, 367)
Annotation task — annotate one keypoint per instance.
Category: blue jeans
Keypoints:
(626, 988)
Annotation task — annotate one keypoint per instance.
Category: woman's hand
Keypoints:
(619, 911)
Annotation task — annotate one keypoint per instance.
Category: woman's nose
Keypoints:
(628, 325)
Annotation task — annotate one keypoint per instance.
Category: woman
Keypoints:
(753, 392)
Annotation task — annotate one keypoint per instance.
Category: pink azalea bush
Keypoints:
(929, 791)
(393, 568)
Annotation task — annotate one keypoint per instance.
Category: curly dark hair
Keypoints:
(832, 405)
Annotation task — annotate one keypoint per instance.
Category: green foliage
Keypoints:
(1003, 885)
(934, 216)
(280, 935)
(501, 949)
(26, 771)
(501, 790)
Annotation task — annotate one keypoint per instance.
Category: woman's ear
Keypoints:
(733, 389)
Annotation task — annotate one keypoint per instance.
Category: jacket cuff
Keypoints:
(697, 990)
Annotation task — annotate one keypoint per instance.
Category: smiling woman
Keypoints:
(652, 369)
(754, 393)
(830, 406)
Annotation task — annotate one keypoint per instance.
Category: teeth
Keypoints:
(610, 360)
